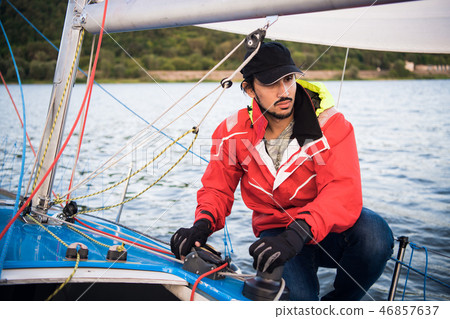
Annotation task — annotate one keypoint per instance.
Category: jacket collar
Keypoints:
(306, 126)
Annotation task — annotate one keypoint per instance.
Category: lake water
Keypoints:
(403, 137)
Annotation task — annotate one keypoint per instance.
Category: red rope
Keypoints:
(82, 131)
(123, 239)
(203, 276)
(21, 122)
(15, 107)
(89, 88)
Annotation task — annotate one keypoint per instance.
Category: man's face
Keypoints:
(277, 99)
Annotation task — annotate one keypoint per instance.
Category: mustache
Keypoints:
(282, 100)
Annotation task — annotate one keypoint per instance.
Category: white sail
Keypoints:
(399, 25)
(417, 26)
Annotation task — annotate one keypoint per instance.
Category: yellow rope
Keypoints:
(121, 248)
(48, 231)
(59, 200)
(67, 246)
(153, 184)
(57, 113)
(67, 280)
(87, 236)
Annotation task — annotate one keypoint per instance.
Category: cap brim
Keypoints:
(269, 77)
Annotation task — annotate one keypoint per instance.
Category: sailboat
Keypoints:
(44, 246)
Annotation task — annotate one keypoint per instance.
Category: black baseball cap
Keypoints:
(272, 62)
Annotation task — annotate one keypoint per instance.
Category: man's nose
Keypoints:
(283, 89)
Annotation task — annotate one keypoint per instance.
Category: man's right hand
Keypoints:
(184, 239)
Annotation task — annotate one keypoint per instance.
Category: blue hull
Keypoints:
(32, 252)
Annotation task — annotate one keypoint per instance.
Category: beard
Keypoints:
(274, 114)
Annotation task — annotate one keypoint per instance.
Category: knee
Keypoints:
(373, 234)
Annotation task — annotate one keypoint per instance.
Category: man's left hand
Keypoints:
(270, 252)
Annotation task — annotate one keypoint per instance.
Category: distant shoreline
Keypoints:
(322, 75)
(217, 76)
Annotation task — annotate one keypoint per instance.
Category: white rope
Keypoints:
(83, 116)
(342, 34)
(280, 292)
(36, 158)
(342, 77)
(135, 148)
(146, 140)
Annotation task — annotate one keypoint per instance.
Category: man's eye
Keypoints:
(289, 78)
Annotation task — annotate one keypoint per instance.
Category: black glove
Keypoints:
(184, 239)
(271, 252)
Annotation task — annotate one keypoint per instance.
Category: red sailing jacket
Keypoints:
(318, 179)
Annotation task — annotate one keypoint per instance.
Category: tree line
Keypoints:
(182, 48)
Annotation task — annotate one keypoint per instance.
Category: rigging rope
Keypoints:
(415, 247)
(225, 84)
(122, 234)
(5, 229)
(203, 276)
(83, 125)
(125, 240)
(153, 184)
(67, 246)
(342, 77)
(59, 199)
(18, 115)
(420, 272)
(55, 47)
(59, 109)
(99, 85)
(168, 109)
(165, 254)
(87, 236)
(20, 119)
(67, 280)
(24, 144)
(144, 142)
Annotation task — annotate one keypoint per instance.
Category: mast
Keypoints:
(64, 79)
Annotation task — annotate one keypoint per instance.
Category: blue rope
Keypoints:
(5, 154)
(425, 275)
(140, 117)
(426, 269)
(228, 248)
(120, 102)
(40, 33)
(414, 246)
(407, 275)
(421, 273)
(11, 162)
(19, 187)
(226, 234)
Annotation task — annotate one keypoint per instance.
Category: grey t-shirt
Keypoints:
(276, 147)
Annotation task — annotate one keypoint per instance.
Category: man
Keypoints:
(296, 159)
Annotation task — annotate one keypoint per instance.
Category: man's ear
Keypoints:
(248, 89)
